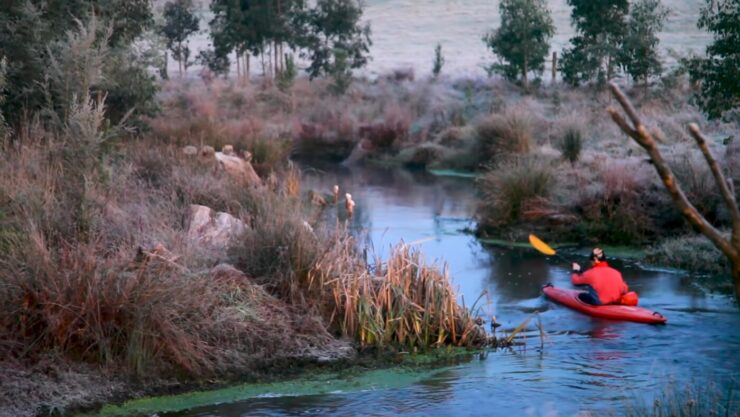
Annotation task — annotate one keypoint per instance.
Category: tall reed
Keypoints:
(401, 301)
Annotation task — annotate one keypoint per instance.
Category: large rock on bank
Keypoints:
(216, 230)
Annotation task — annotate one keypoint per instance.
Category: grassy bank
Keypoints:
(111, 284)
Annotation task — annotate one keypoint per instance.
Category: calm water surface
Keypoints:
(587, 365)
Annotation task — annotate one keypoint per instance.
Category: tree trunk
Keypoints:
(238, 69)
(179, 60)
(554, 66)
(246, 66)
(275, 54)
(524, 74)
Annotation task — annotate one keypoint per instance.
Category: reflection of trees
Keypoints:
(518, 274)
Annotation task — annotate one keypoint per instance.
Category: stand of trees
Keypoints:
(328, 34)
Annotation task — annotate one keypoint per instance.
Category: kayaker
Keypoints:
(605, 284)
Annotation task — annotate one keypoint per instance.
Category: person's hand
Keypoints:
(576, 267)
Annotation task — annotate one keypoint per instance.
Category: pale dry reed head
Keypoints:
(349, 204)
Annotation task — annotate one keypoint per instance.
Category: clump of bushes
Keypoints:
(512, 188)
(615, 206)
(689, 252)
(503, 135)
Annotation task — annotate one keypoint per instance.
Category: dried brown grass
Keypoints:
(399, 302)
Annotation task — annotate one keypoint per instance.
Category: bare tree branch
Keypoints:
(626, 105)
(645, 139)
(722, 183)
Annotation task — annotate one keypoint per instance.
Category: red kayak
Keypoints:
(569, 298)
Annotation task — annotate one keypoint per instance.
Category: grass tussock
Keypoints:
(514, 188)
(506, 134)
(399, 302)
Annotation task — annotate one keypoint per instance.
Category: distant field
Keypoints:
(406, 31)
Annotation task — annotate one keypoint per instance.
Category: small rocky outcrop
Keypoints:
(216, 230)
(238, 168)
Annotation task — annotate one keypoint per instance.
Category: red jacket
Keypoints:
(605, 280)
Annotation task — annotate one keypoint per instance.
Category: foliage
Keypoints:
(334, 32)
(439, 60)
(594, 52)
(129, 86)
(639, 55)
(522, 41)
(249, 26)
(286, 77)
(179, 24)
(218, 63)
(720, 85)
(32, 33)
(341, 72)
(4, 129)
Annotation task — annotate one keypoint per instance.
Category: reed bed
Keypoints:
(400, 302)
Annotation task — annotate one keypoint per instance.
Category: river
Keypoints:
(585, 365)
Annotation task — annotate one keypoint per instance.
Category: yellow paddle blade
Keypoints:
(540, 245)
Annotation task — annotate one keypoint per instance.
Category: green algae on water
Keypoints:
(321, 383)
(452, 173)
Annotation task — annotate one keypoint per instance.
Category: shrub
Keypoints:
(690, 252)
(501, 135)
(570, 145)
(616, 206)
(286, 77)
(510, 187)
(278, 250)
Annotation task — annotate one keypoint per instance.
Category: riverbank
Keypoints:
(550, 158)
(138, 266)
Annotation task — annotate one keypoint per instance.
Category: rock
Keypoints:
(228, 150)
(238, 168)
(214, 229)
(190, 150)
(207, 151)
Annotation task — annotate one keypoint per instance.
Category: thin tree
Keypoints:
(718, 72)
(637, 131)
(439, 60)
(639, 55)
(179, 23)
(600, 27)
(333, 29)
(522, 40)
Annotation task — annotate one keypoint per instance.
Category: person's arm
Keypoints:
(578, 277)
